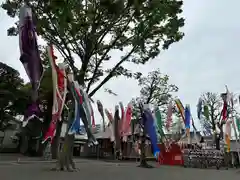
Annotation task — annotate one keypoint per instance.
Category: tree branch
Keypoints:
(105, 54)
(151, 92)
(111, 74)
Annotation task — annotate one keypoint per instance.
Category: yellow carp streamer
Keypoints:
(180, 108)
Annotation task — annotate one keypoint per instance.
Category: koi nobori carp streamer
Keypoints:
(110, 124)
(78, 101)
(116, 129)
(225, 98)
(109, 116)
(187, 121)
(148, 122)
(86, 105)
(86, 116)
(100, 110)
(159, 122)
(187, 117)
(31, 61)
(169, 116)
(59, 94)
(180, 108)
(206, 112)
(127, 122)
(93, 118)
(227, 134)
(238, 123)
(199, 108)
(122, 117)
(203, 109)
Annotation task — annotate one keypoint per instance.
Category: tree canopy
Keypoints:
(88, 31)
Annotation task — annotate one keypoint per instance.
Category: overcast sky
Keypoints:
(205, 60)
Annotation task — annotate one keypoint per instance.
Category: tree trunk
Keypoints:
(65, 157)
(218, 137)
(56, 141)
(143, 160)
(47, 119)
(23, 143)
(217, 141)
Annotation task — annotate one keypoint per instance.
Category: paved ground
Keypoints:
(98, 170)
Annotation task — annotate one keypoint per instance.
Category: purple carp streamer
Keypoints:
(187, 116)
(30, 59)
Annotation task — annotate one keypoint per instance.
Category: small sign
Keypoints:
(178, 158)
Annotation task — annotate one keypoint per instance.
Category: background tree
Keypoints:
(213, 102)
(90, 30)
(155, 90)
(13, 95)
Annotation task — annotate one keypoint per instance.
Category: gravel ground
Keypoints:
(99, 170)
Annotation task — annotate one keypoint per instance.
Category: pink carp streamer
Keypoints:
(169, 116)
(59, 94)
(127, 123)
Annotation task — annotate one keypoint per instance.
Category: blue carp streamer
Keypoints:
(187, 117)
(151, 131)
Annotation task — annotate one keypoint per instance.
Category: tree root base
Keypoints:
(145, 165)
(67, 170)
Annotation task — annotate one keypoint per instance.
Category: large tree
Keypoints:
(88, 31)
(13, 96)
(155, 90)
